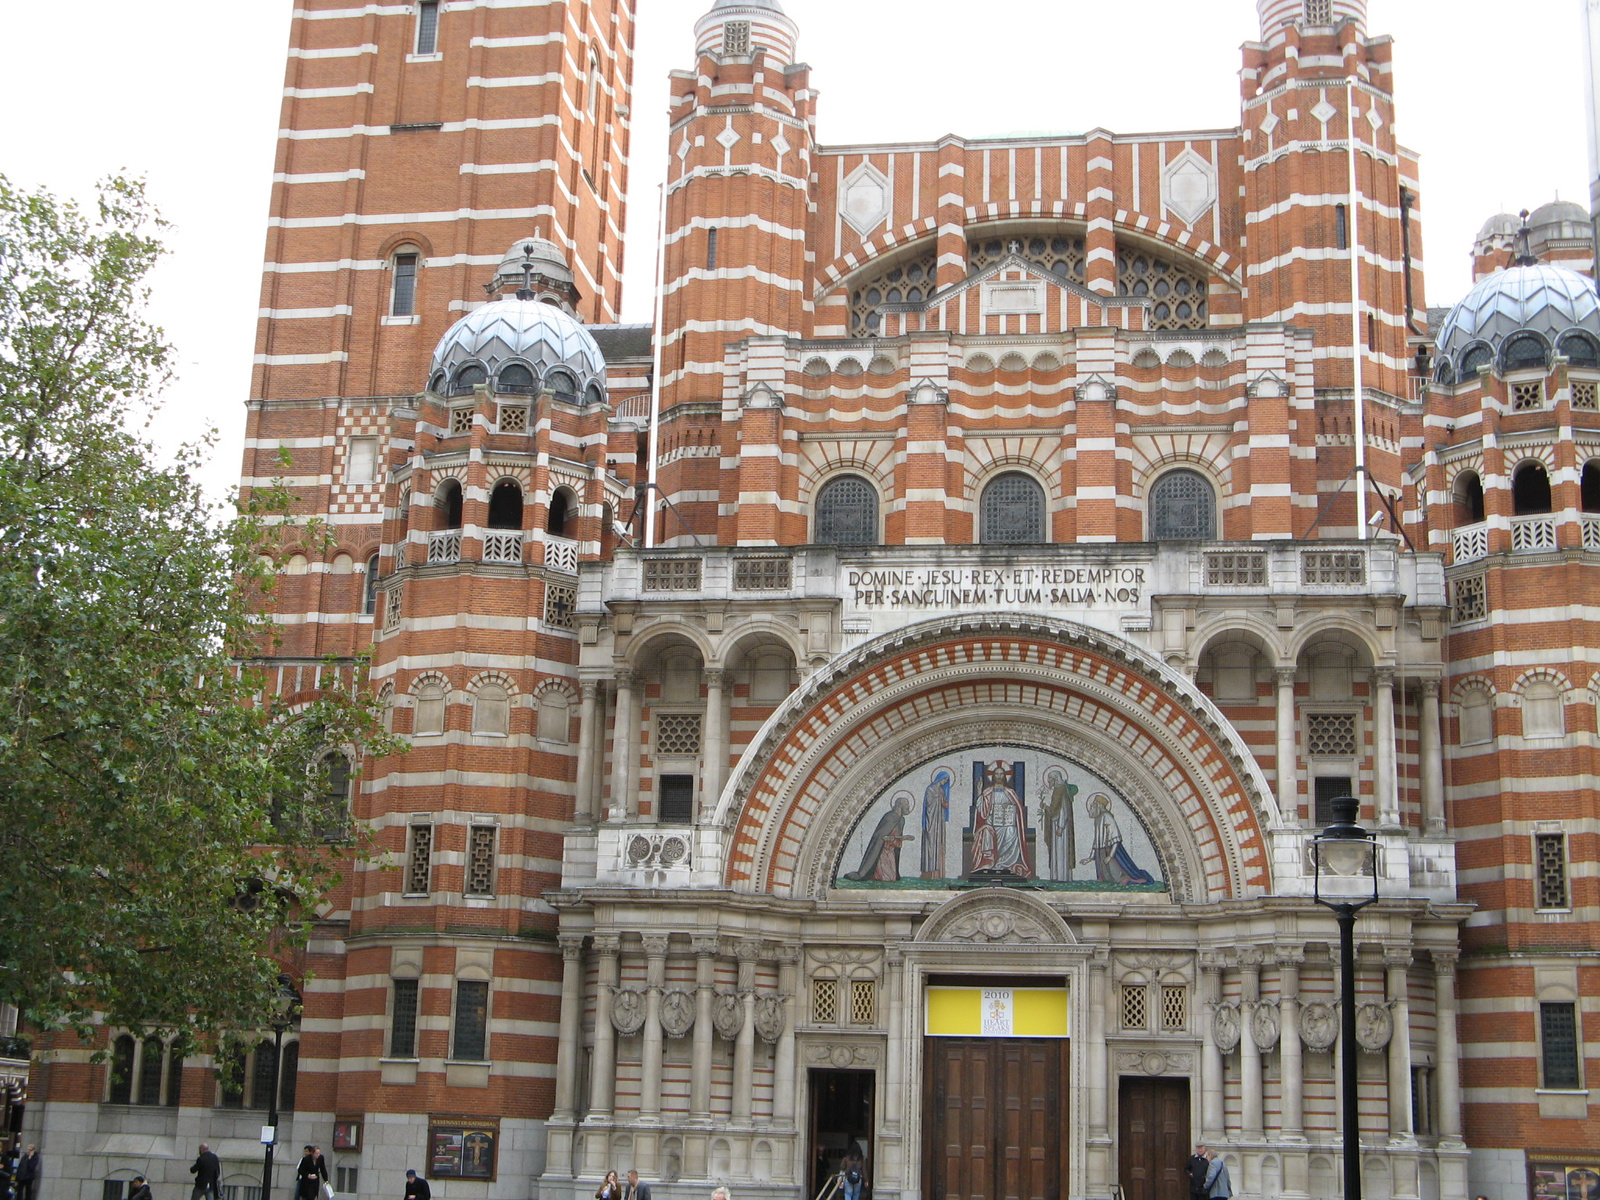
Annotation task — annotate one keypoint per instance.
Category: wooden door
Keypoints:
(994, 1121)
(1153, 1138)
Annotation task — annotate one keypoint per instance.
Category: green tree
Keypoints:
(164, 838)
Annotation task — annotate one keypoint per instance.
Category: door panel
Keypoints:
(995, 1119)
(1152, 1138)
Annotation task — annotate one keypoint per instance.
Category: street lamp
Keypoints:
(285, 1007)
(1344, 851)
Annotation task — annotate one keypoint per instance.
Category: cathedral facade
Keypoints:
(885, 706)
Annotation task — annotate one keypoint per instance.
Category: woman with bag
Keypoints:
(610, 1188)
(310, 1175)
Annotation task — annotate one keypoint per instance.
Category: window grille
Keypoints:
(1469, 600)
(122, 1062)
(502, 547)
(1182, 507)
(736, 37)
(1538, 533)
(419, 866)
(1328, 789)
(561, 554)
(391, 612)
(403, 1025)
(1062, 257)
(560, 605)
(346, 1180)
(480, 861)
(824, 1001)
(1330, 735)
(263, 1075)
(1325, 567)
(150, 1056)
(1591, 533)
(908, 283)
(1236, 570)
(1586, 397)
(460, 421)
(428, 27)
(763, 575)
(1550, 869)
(1011, 511)
(863, 1001)
(1470, 543)
(847, 513)
(676, 796)
(1134, 1006)
(113, 1189)
(711, 248)
(472, 1021)
(672, 574)
(678, 733)
(1527, 397)
(1558, 1028)
(404, 301)
(1178, 293)
(1319, 12)
(1174, 1008)
(513, 418)
(1525, 352)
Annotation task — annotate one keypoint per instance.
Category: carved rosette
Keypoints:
(627, 1011)
(727, 1015)
(1374, 1027)
(769, 1017)
(1264, 1025)
(1225, 1027)
(677, 1013)
(1319, 1025)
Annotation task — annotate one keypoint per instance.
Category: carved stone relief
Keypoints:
(727, 1015)
(677, 1013)
(1264, 1025)
(769, 1016)
(1154, 1062)
(1226, 1028)
(841, 1055)
(1374, 1027)
(627, 1011)
(996, 928)
(1319, 1025)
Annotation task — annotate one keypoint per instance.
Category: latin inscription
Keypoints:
(881, 588)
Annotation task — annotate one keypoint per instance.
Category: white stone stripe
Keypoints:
(479, 214)
(305, 314)
(301, 360)
(337, 52)
(506, 43)
(312, 135)
(750, 222)
(1318, 254)
(324, 93)
(700, 274)
(403, 10)
(528, 168)
(510, 81)
(323, 177)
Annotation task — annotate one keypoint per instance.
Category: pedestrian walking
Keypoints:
(635, 1190)
(207, 1172)
(1218, 1185)
(322, 1169)
(139, 1189)
(29, 1171)
(417, 1187)
(310, 1175)
(609, 1189)
(1197, 1168)
(853, 1173)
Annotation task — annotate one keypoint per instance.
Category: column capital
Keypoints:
(705, 945)
(1444, 962)
(1289, 957)
(655, 945)
(1430, 688)
(749, 951)
(786, 953)
(571, 946)
(608, 945)
(588, 689)
(1251, 958)
(1397, 957)
(627, 677)
(1383, 676)
(715, 677)
(1286, 675)
(1212, 962)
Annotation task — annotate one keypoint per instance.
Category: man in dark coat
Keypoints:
(635, 1190)
(28, 1173)
(207, 1172)
(1196, 1169)
(139, 1189)
(417, 1188)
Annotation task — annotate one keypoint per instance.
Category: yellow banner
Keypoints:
(997, 1012)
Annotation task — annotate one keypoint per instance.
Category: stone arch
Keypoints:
(1252, 628)
(1336, 626)
(754, 634)
(648, 643)
(997, 915)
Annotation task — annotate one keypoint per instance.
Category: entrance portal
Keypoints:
(1152, 1138)
(841, 1121)
(995, 1119)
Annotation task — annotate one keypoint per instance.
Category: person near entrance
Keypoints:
(207, 1172)
(1198, 1167)
(635, 1190)
(27, 1174)
(417, 1187)
(853, 1174)
(1218, 1185)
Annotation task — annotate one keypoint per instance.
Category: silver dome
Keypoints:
(1501, 225)
(548, 260)
(1558, 309)
(537, 335)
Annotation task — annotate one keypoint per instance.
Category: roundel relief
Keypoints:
(1000, 814)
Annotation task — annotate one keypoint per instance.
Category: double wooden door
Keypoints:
(995, 1119)
(1153, 1138)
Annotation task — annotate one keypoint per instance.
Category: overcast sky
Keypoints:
(187, 92)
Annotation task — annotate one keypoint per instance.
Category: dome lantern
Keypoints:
(734, 28)
(1277, 14)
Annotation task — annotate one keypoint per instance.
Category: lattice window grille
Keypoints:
(561, 554)
(1333, 567)
(824, 1001)
(419, 865)
(1236, 570)
(1527, 397)
(502, 547)
(560, 605)
(763, 575)
(1331, 735)
(1174, 1008)
(1471, 543)
(1135, 1006)
(1586, 397)
(391, 611)
(513, 418)
(1591, 533)
(847, 513)
(678, 733)
(863, 1001)
(1558, 1028)
(480, 861)
(1062, 257)
(1469, 600)
(1178, 293)
(1550, 869)
(907, 283)
(444, 547)
(1182, 508)
(460, 421)
(1535, 534)
(1319, 12)
(1011, 511)
(672, 574)
(736, 37)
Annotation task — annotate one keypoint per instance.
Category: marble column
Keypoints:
(625, 749)
(584, 801)
(716, 750)
(894, 1067)
(1288, 760)
(568, 1049)
(1398, 961)
(655, 957)
(1289, 1047)
(1447, 1074)
(705, 984)
(1432, 765)
(1100, 1165)
(783, 1077)
(1211, 1078)
(1387, 800)
(1250, 1122)
(744, 1046)
(602, 1073)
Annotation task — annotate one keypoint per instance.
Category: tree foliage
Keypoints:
(161, 843)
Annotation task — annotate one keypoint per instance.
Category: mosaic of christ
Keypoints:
(1000, 814)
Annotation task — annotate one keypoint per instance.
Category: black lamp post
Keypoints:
(1346, 851)
(285, 1007)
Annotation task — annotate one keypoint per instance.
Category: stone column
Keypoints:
(624, 749)
(1398, 961)
(1288, 760)
(1250, 1122)
(783, 1078)
(1099, 1164)
(1432, 765)
(1447, 1074)
(894, 1063)
(655, 956)
(705, 982)
(1289, 1048)
(716, 756)
(585, 801)
(1387, 799)
(568, 1050)
(1211, 1080)
(602, 1074)
(744, 1047)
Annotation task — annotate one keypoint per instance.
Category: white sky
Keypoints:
(187, 92)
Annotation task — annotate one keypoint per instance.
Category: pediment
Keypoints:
(997, 917)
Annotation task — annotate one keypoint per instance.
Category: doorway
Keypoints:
(1152, 1138)
(841, 1121)
(995, 1119)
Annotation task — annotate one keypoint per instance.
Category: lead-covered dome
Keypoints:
(519, 346)
(1516, 319)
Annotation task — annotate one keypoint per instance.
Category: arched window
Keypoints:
(261, 1073)
(563, 385)
(1542, 712)
(562, 505)
(846, 513)
(1590, 487)
(1011, 511)
(1477, 718)
(122, 1059)
(436, 383)
(288, 1077)
(151, 1056)
(505, 505)
(1581, 350)
(1525, 352)
(515, 379)
(467, 378)
(1477, 356)
(1530, 489)
(1469, 498)
(554, 716)
(1182, 508)
(403, 291)
(369, 595)
(333, 808)
(447, 504)
(491, 711)
(593, 395)
(427, 718)
(174, 1078)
